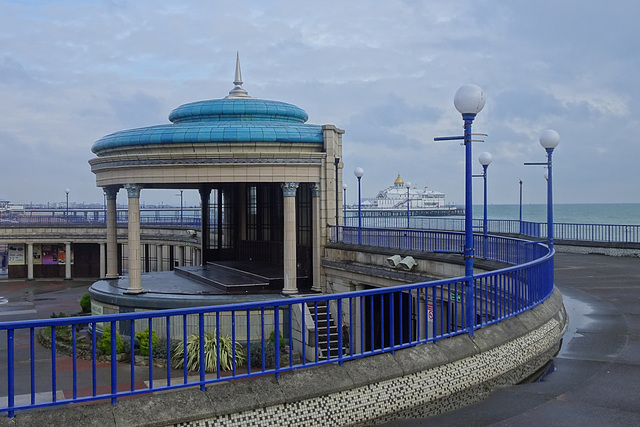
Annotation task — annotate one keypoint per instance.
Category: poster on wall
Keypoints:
(16, 254)
(61, 256)
(37, 254)
(49, 254)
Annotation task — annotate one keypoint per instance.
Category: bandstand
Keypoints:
(268, 188)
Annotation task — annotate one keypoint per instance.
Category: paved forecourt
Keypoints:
(595, 379)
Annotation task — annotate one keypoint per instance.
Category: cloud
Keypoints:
(72, 72)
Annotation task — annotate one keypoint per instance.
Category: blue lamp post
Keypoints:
(359, 172)
(520, 221)
(181, 208)
(549, 139)
(408, 185)
(485, 160)
(344, 204)
(469, 101)
(67, 212)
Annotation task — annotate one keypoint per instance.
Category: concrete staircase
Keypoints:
(327, 327)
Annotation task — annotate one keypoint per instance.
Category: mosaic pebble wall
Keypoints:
(424, 393)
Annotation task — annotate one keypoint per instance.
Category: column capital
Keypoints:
(315, 189)
(289, 189)
(204, 192)
(111, 191)
(133, 190)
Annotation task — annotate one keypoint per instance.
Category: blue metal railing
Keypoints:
(72, 220)
(316, 330)
(613, 233)
(562, 231)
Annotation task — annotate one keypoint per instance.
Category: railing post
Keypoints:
(339, 301)
(10, 373)
(276, 336)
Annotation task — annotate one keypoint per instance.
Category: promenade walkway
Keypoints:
(595, 379)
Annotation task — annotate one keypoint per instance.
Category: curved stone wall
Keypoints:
(424, 380)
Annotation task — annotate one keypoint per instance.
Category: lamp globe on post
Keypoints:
(485, 160)
(344, 204)
(359, 173)
(549, 139)
(67, 193)
(408, 185)
(520, 215)
(469, 101)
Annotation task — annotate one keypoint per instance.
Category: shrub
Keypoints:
(256, 356)
(210, 355)
(160, 350)
(63, 331)
(85, 303)
(143, 340)
(272, 339)
(105, 342)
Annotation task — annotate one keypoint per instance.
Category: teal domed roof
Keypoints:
(236, 118)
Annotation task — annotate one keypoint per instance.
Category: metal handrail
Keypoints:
(320, 329)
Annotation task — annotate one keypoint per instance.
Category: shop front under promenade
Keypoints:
(39, 251)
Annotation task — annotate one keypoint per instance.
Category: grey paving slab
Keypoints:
(595, 378)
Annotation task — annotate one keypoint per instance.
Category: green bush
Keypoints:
(62, 331)
(272, 339)
(160, 350)
(143, 340)
(105, 342)
(85, 303)
(256, 356)
(210, 355)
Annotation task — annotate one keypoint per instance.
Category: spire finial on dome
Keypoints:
(238, 91)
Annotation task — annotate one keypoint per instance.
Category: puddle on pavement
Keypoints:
(578, 312)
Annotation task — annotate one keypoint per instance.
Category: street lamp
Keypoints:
(520, 222)
(67, 213)
(408, 185)
(549, 139)
(359, 172)
(485, 160)
(469, 101)
(181, 209)
(344, 204)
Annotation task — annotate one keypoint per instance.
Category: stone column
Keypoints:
(103, 259)
(142, 258)
(290, 261)
(198, 257)
(30, 261)
(205, 194)
(315, 236)
(158, 257)
(358, 345)
(180, 255)
(135, 279)
(67, 261)
(165, 258)
(111, 193)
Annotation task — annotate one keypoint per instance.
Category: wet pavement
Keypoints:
(24, 300)
(595, 378)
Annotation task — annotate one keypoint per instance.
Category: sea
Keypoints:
(584, 213)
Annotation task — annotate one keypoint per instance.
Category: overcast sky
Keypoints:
(384, 71)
